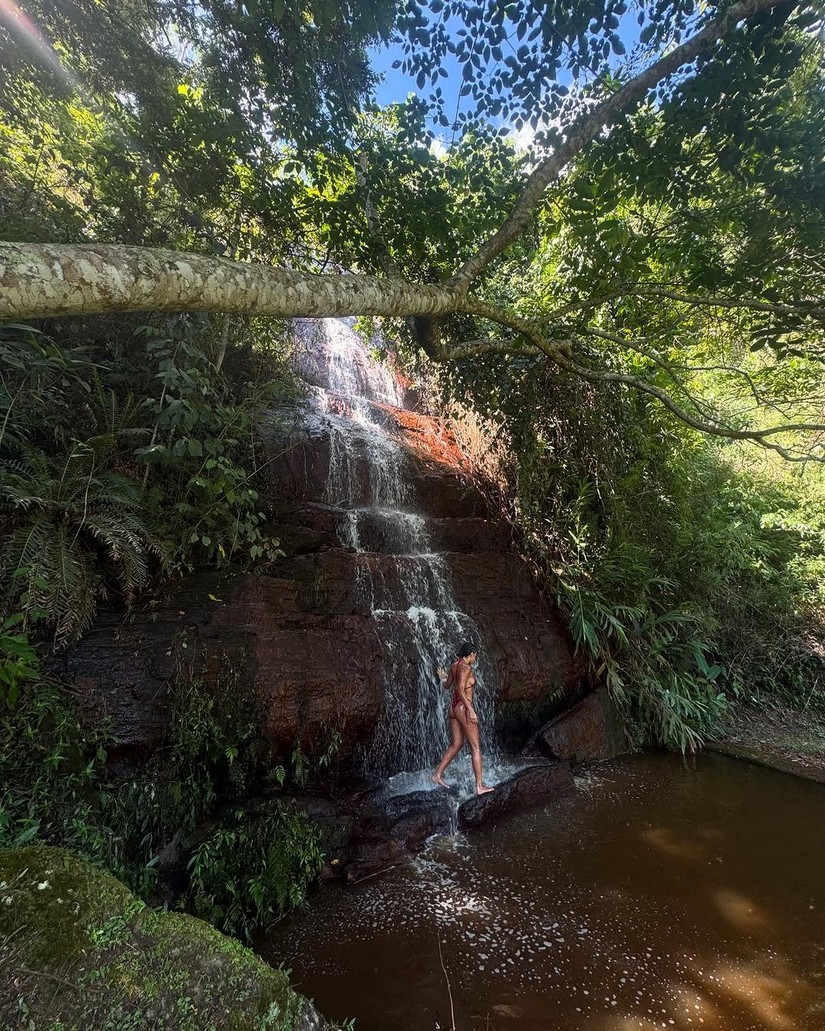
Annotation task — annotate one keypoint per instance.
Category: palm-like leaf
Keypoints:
(71, 530)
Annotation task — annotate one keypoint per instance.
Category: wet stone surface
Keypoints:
(392, 831)
(537, 784)
(589, 731)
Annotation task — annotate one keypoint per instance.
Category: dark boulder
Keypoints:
(417, 816)
(529, 787)
(591, 730)
(392, 831)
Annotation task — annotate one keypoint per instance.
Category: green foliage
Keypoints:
(19, 663)
(458, 195)
(530, 67)
(73, 536)
(682, 248)
(690, 572)
(159, 123)
(200, 438)
(213, 753)
(254, 865)
(51, 763)
(653, 662)
(254, 869)
(125, 460)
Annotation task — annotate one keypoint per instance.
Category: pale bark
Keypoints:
(38, 279)
(223, 341)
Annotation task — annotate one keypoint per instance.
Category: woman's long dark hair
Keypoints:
(467, 648)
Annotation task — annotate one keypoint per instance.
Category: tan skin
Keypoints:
(463, 721)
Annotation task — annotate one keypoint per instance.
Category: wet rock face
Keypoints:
(308, 643)
(299, 470)
(313, 669)
(589, 731)
(530, 787)
(390, 832)
(391, 553)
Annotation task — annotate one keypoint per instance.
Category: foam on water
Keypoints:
(609, 910)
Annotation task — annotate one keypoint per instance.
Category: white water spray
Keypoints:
(404, 583)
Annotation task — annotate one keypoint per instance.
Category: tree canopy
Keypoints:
(672, 182)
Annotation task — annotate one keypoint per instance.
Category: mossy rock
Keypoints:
(79, 952)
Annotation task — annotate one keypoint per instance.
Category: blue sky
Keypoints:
(397, 85)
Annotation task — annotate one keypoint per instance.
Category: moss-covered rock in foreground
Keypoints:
(79, 952)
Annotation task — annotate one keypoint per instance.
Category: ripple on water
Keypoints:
(609, 910)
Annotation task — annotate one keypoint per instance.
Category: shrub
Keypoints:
(251, 871)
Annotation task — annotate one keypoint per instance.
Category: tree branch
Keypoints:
(590, 124)
(385, 259)
(560, 354)
(815, 307)
(38, 280)
(475, 348)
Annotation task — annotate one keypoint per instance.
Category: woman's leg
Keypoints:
(471, 731)
(451, 753)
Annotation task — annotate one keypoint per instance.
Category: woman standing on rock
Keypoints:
(463, 718)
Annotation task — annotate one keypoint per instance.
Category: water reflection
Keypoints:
(665, 840)
(653, 897)
(743, 913)
(730, 995)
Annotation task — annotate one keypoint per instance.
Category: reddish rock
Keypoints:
(429, 436)
(590, 730)
(313, 673)
(314, 526)
(298, 468)
(300, 630)
(306, 642)
(530, 787)
(526, 638)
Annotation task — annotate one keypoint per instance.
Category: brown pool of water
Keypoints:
(658, 894)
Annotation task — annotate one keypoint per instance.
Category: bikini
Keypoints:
(457, 700)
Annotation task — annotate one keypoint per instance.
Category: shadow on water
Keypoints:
(657, 895)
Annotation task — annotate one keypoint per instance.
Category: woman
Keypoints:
(463, 719)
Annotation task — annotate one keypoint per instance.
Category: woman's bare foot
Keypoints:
(437, 779)
(482, 789)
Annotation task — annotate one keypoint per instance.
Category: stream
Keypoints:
(658, 894)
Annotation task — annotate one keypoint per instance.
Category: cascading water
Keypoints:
(406, 584)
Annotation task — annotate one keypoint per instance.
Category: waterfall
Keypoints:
(401, 579)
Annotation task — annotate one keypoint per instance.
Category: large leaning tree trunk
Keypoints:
(52, 280)
(39, 280)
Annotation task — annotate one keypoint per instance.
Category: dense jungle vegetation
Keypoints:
(600, 240)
